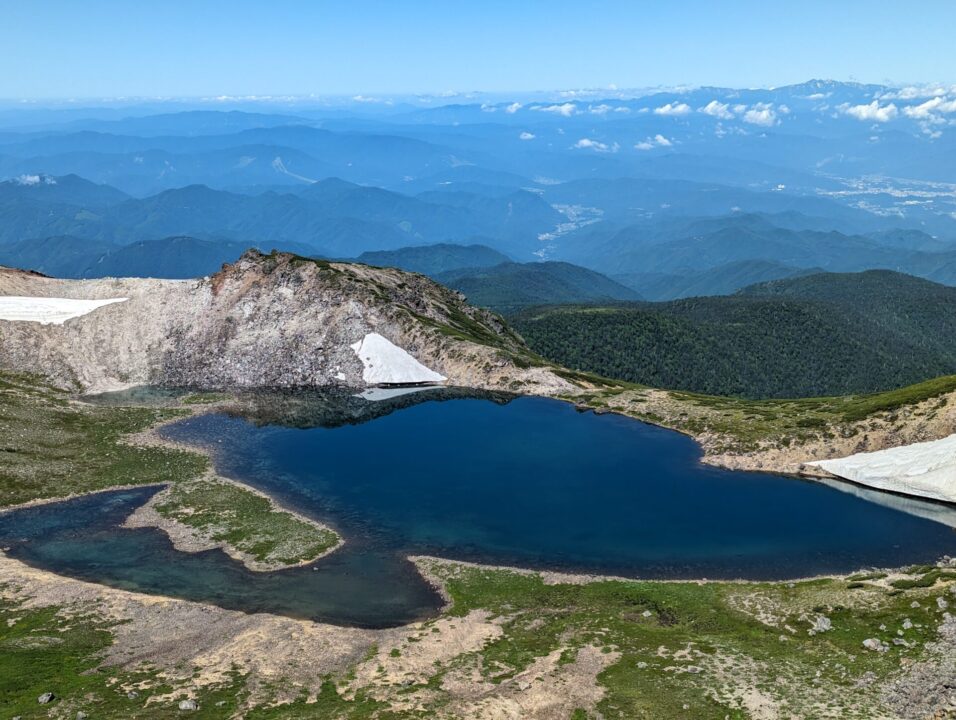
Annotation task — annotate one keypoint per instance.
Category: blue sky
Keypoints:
(102, 48)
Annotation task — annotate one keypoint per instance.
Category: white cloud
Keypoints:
(874, 112)
(35, 180)
(930, 109)
(602, 109)
(565, 109)
(717, 110)
(916, 92)
(366, 99)
(526, 136)
(513, 108)
(673, 109)
(761, 114)
(597, 146)
(656, 141)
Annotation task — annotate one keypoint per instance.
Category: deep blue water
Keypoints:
(530, 482)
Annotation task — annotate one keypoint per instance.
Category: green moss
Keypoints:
(51, 447)
(245, 520)
(928, 579)
(650, 624)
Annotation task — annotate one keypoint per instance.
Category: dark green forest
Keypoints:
(825, 334)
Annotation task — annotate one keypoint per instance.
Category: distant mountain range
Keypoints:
(670, 194)
(332, 217)
(822, 334)
(174, 257)
(435, 259)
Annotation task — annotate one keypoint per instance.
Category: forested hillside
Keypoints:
(508, 287)
(825, 334)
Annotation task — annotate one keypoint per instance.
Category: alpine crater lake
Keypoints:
(520, 481)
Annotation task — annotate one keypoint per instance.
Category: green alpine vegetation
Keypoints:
(54, 447)
(244, 520)
(625, 649)
(818, 335)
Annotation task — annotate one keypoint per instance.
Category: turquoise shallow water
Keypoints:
(525, 481)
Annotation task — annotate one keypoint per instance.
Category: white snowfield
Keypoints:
(48, 310)
(926, 469)
(387, 364)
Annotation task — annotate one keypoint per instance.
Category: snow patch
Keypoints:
(387, 364)
(47, 310)
(926, 469)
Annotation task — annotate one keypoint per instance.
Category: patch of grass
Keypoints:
(662, 629)
(203, 398)
(246, 520)
(51, 447)
(926, 580)
(867, 576)
(740, 425)
(43, 650)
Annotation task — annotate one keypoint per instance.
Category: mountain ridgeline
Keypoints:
(823, 334)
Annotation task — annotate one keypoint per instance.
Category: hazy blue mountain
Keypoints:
(688, 192)
(173, 257)
(62, 256)
(435, 259)
(721, 280)
(188, 123)
(67, 190)
(333, 217)
(512, 286)
(907, 239)
(692, 247)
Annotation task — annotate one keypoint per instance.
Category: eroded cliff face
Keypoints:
(265, 321)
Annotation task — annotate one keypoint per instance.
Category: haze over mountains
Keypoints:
(666, 194)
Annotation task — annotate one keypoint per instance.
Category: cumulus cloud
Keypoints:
(526, 136)
(656, 141)
(931, 109)
(874, 112)
(513, 108)
(673, 109)
(596, 145)
(717, 110)
(565, 109)
(761, 114)
(602, 109)
(915, 92)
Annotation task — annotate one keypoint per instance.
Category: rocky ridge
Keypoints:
(275, 320)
